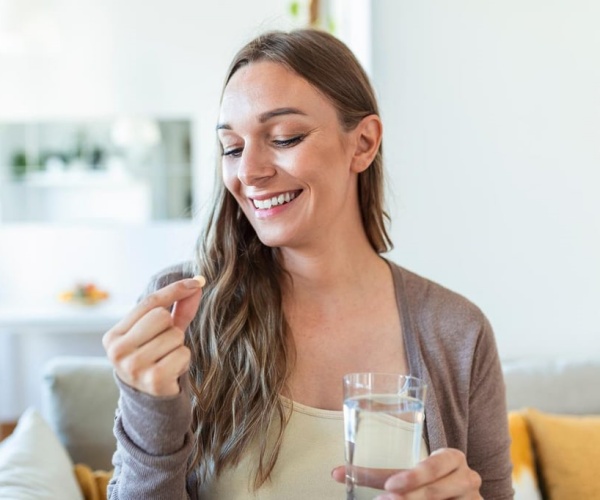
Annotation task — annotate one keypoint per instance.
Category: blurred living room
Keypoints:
(108, 154)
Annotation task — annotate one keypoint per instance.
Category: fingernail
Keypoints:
(384, 497)
(200, 279)
(195, 282)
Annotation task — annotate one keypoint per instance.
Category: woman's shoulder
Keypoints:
(430, 303)
(448, 332)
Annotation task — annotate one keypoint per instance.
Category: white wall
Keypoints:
(99, 59)
(492, 130)
(103, 58)
(37, 261)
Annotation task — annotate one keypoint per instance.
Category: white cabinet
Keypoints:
(80, 197)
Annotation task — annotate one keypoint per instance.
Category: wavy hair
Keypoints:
(241, 351)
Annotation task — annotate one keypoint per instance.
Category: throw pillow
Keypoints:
(34, 464)
(524, 476)
(93, 483)
(568, 449)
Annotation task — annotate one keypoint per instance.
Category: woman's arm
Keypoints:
(154, 443)
(488, 436)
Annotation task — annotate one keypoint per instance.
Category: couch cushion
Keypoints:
(93, 483)
(524, 475)
(79, 401)
(34, 465)
(568, 451)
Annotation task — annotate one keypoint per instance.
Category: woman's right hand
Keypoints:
(147, 346)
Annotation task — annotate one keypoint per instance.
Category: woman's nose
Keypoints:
(255, 166)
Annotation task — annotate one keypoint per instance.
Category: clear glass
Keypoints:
(383, 422)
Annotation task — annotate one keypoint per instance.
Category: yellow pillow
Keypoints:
(93, 483)
(524, 476)
(568, 450)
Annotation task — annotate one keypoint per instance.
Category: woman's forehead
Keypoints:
(265, 81)
(263, 86)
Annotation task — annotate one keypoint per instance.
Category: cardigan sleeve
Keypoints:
(488, 442)
(154, 443)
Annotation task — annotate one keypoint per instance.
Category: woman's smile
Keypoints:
(268, 202)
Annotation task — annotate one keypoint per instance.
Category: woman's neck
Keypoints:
(331, 269)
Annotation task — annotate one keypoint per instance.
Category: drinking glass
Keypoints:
(383, 422)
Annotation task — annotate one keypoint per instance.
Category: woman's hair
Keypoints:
(241, 352)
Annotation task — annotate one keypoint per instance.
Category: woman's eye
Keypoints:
(286, 143)
(234, 152)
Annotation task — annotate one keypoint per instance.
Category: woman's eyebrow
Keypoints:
(267, 115)
(263, 117)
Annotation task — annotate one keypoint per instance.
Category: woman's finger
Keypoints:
(339, 474)
(148, 327)
(161, 378)
(165, 298)
(132, 368)
(364, 476)
(184, 310)
(443, 475)
(439, 464)
(455, 486)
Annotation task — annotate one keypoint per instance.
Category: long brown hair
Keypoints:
(241, 352)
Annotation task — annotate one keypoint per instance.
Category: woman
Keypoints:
(297, 294)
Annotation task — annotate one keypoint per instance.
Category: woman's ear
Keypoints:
(368, 135)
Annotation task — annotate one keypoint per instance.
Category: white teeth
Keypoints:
(273, 202)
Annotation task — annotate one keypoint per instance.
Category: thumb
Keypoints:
(184, 310)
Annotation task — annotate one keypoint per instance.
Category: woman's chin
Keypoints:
(275, 240)
(271, 241)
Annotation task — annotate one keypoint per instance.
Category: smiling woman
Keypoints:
(290, 142)
(237, 392)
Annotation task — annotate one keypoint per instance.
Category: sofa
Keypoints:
(554, 417)
(554, 421)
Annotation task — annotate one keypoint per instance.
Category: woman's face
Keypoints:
(286, 158)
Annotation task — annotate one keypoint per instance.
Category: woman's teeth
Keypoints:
(273, 202)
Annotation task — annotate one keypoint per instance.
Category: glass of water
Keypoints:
(383, 422)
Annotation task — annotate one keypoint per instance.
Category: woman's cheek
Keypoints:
(229, 175)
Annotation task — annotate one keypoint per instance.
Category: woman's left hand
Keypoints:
(443, 475)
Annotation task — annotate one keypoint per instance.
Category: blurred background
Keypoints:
(491, 113)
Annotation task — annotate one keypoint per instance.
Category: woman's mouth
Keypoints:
(275, 201)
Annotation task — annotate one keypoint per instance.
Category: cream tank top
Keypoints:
(313, 444)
